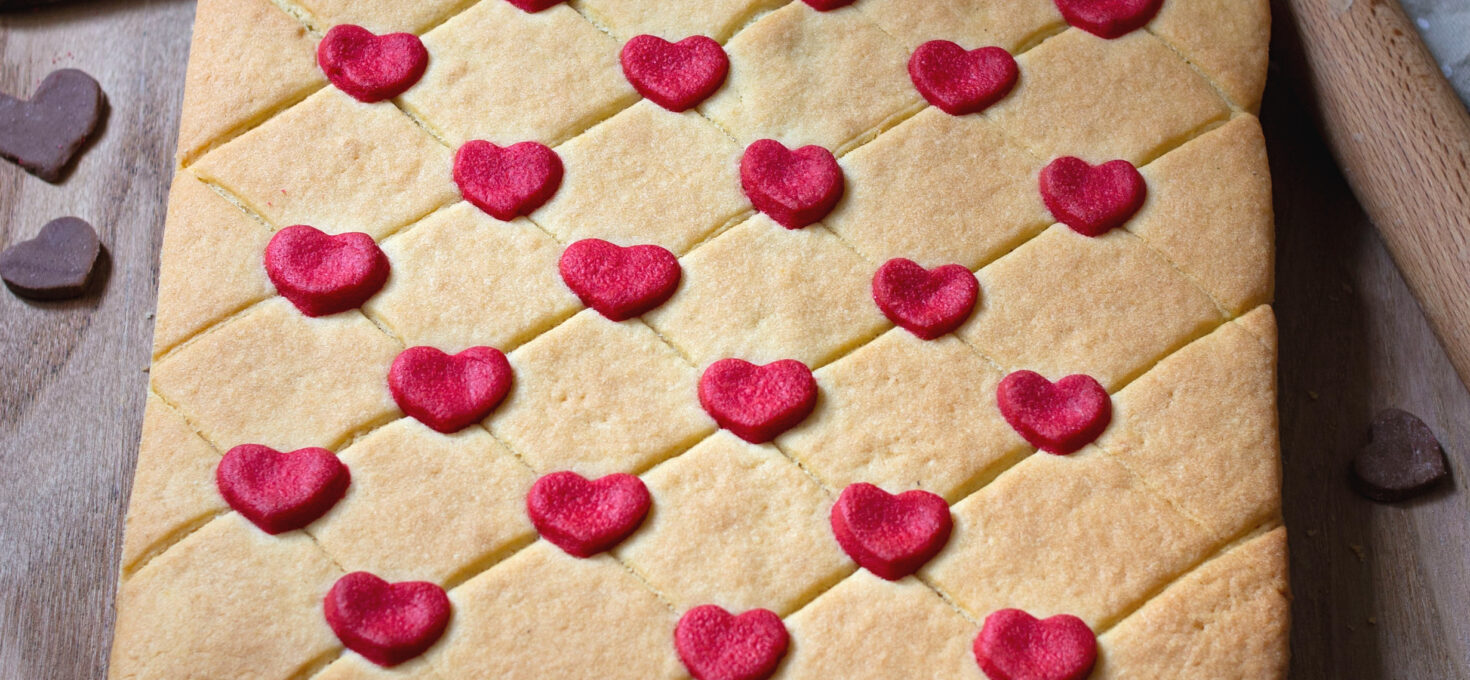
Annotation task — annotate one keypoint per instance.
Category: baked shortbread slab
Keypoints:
(1160, 536)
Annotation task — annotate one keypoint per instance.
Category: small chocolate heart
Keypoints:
(43, 134)
(55, 265)
(1402, 459)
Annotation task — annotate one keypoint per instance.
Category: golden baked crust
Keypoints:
(1164, 534)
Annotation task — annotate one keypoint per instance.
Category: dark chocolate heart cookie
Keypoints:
(43, 134)
(56, 264)
(1402, 458)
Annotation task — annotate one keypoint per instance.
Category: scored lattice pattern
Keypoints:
(1131, 534)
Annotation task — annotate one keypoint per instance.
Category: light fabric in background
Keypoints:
(1445, 25)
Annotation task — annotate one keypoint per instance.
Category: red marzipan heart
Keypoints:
(281, 492)
(960, 82)
(1092, 200)
(587, 517)
(1109, 18)
(323, 274)
(677, 75)
(891, 536)
(1013, 645)
(369, 67)
(757, 403)
(507, 181)
(449, 392)
(715, 645)
(927, 303)
(618, 282)
(533, 6)
(794, 188)
(1058, 417)
(827, 5)
(387, 623)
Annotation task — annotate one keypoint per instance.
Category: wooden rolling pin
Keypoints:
(1402, 138)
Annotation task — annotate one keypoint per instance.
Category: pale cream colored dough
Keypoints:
(676, 176)
(940, 189)
(674, 20)
(762, 292)
(462, 278)
(546, 614)
(737, 525)
(336, 164)
(937, 428)
(275, 377)
(596, 396)
(801, 77)
(499, 74)
(247, 61)
(425, 506)
(1139, 100)
(211, 265)
(1164, 535)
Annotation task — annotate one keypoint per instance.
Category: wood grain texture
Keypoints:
(1402, 138)
(1381, 591)
(71, 377)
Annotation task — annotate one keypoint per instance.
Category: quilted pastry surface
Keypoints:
(889, 339)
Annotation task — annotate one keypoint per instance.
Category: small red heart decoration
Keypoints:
(1109, 18)
(507, 181)
(794, 188)
(1056, 417)
(1092, 200)
(618, 282)
(891, 536)
(281, 492)
(533, 6)
(757, 402)
(715, 645)
(323, 274)
(926, 303)
(827, 5)
(960, 82)
(1014, 645)
(449, 392)
(387, 623)
(369, 67)
(587, 517)
(677, 75)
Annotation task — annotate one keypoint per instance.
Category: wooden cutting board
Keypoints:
(1381, 592)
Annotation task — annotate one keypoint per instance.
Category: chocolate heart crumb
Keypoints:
(43, 134)
(55, 265)
(1402, 459)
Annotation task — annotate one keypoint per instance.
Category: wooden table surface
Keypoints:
(1380, 591)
